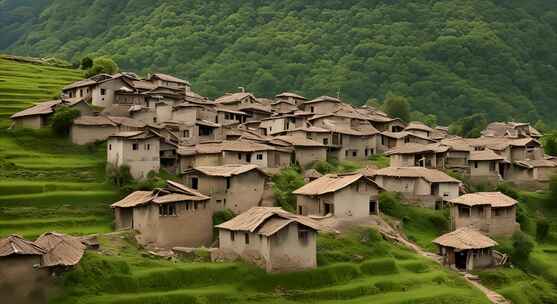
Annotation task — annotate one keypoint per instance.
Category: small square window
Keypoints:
(246, 238)
(259, 156)
(232, 235)
(103, 92)
(110, 147)
(135, 147)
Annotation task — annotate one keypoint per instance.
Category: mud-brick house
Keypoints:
(419, 128)
(306, 151)
(272, 238)
(101, 89)
(528, 171)
(291, 98)
(234, 187)
(21, 278)
(426, 187)
(391, 140)
(466, 249)
(486, 166)
(255, 111)
(36, 117)
(169, 81)
(88, 129)
(321, 105)
(140, 150)
(343, 195)
(408, 155)
(171, 216)
(493, 213)
(510, 130)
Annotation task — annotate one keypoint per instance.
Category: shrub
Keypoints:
(284, 184)
(542, 230)
(102, 65)
(86, 63)
(62, 120)
(222, 216)
(415, 266)
(379, 267)
(390, 204)
(323, 167)
(522, 247)
(507, 189)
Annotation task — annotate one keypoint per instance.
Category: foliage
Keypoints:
(334, 166)
(508, 189)
(397, 106)
(120, 176)
(102, 65)
(62, 120)
(550, 144)
(379, 267)
(428, 119)
(86, 63)
(380, 160)
(469, 126)
(522, 247)
(222, 216)
(542, 230)
(284, 183)
(451, 58)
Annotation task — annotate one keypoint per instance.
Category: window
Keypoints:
(219, 201)
(308, 135)
(81, 93)
(382, 140)
(228, 183)
(194, 182)
(354, 153)
(463, 211)
(186, 133)
(110, 147)
(300, 210)
(248, 158)
(246, 235)
(407, 139)
(224, 201)
(195, 205)
(148, 147)
(135, 147)
(346, 153)
(154, 120)
(492, 166)
(226, 116)
(303, 236)
(366, 152)
(325, 141)
(259, 156)
(167, 210)
(103, 92)
(476, 164)
(312, 109)
(232, 235)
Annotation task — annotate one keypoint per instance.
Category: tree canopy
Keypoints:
(451, 58)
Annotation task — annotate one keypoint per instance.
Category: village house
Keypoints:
(466, 249)
(272, 238)
(225, 152)
(426, 187)
(493, 213)
(279, 124)
(169, 81)
(485, 166)
(532, 171)
(89, 129)
(234, 187)
(36, 117)
(172, 216)
(419, 128)
(391, 140)
(291, 98)
(350, 195)
(140, 150)
(409, 155)
(22, 278)
(61, 251)
(234, 99)
(101, 89)
(255, 111)
(320, 105)
(306, 151)
(282, 106)
(510, 130)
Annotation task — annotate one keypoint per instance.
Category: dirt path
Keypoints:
(394, 235)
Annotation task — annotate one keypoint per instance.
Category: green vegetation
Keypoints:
(334, 166)
(450, 58)
(101, 65)
(23, 84)
(63, 119)
(397, 106)
(284, 183)
(375, 271)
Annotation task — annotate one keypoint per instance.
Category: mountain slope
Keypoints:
(451, 58)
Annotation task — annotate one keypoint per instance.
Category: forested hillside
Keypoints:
(452, 58)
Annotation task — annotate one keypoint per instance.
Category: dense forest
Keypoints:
(452, 58)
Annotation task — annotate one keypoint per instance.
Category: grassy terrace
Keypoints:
(46, 183)
(358, 267)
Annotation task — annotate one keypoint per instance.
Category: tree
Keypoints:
(103, 65)
(62, 120)
(284, 184)
(550, 144)
(86, 63)
(542, 230)
(522, 247)
(397, 106)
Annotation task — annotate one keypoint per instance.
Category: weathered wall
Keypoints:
(21, 283)
(81, 135)
(289, 253)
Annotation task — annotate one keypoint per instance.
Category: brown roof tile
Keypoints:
(465, 238)
(494, 199)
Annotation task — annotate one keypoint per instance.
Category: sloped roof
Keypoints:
(80, 83)
(412, 148)
(289, 94)
(331, 183)
(486, 154)
(226, 145)
(133, 199)
(416, 125)
(403, 134)
(255, 107)
(14, 244)
(431, 175)
(234, 97)
(323, 98)
(465, 238)
(43, 108)
(170, 78)
(226, 170)
(172, 192)
(61, 249)
(495, 199)
(299, 141)
(312, 173)
(266, 221)
(536, 163)
(177, 197)
(94, 121)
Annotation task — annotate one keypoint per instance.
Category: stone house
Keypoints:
(22, 279)
(466, 249)
(343, 195)
(282, 106)
(272, 238)
(493, 213)
(419, 128)
(279, 124)
(390, 140)
(226, 116)
(36, 117)
(291, 98)
(172, 216)
(426, 187)
(234, 99)
(101, 89)
(320, 105)
(88, 129)
(528, 171)
(306, 151)
(137, 149)
(409, 155)
(486, 166)
(169, 81)
(234, 187)
(255, 111)
(61, 251)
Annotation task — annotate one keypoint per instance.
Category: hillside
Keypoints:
(452, 58)
(46, 183)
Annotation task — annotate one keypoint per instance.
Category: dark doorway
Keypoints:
(372, 207)
(194, 182)
(300, 210)
(329, 208)
(460, 259)
(502, 170)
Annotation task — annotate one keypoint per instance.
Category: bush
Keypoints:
(102, 65)
(323, 167)
(389, 203)
(379, 267)
(542, 230)
(284, 183)
(62, 120)
(507, 189)
(522, 247)
(86, 63)
(222, 216)
(415, 266)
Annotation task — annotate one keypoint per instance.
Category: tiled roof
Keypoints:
(226, 170)
(14, 244)
(43, 108)
(331, 183)
(495, 199)
(61, 249)
(431, 175)
(465, 238)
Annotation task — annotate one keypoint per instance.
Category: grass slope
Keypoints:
(121, 273)
(46, 183)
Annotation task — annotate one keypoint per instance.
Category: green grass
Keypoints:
(122, 273)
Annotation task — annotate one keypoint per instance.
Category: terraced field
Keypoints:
(23, 84)
(46, 183)
(384, 273)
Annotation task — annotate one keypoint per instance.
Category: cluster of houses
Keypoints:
(225, 150)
